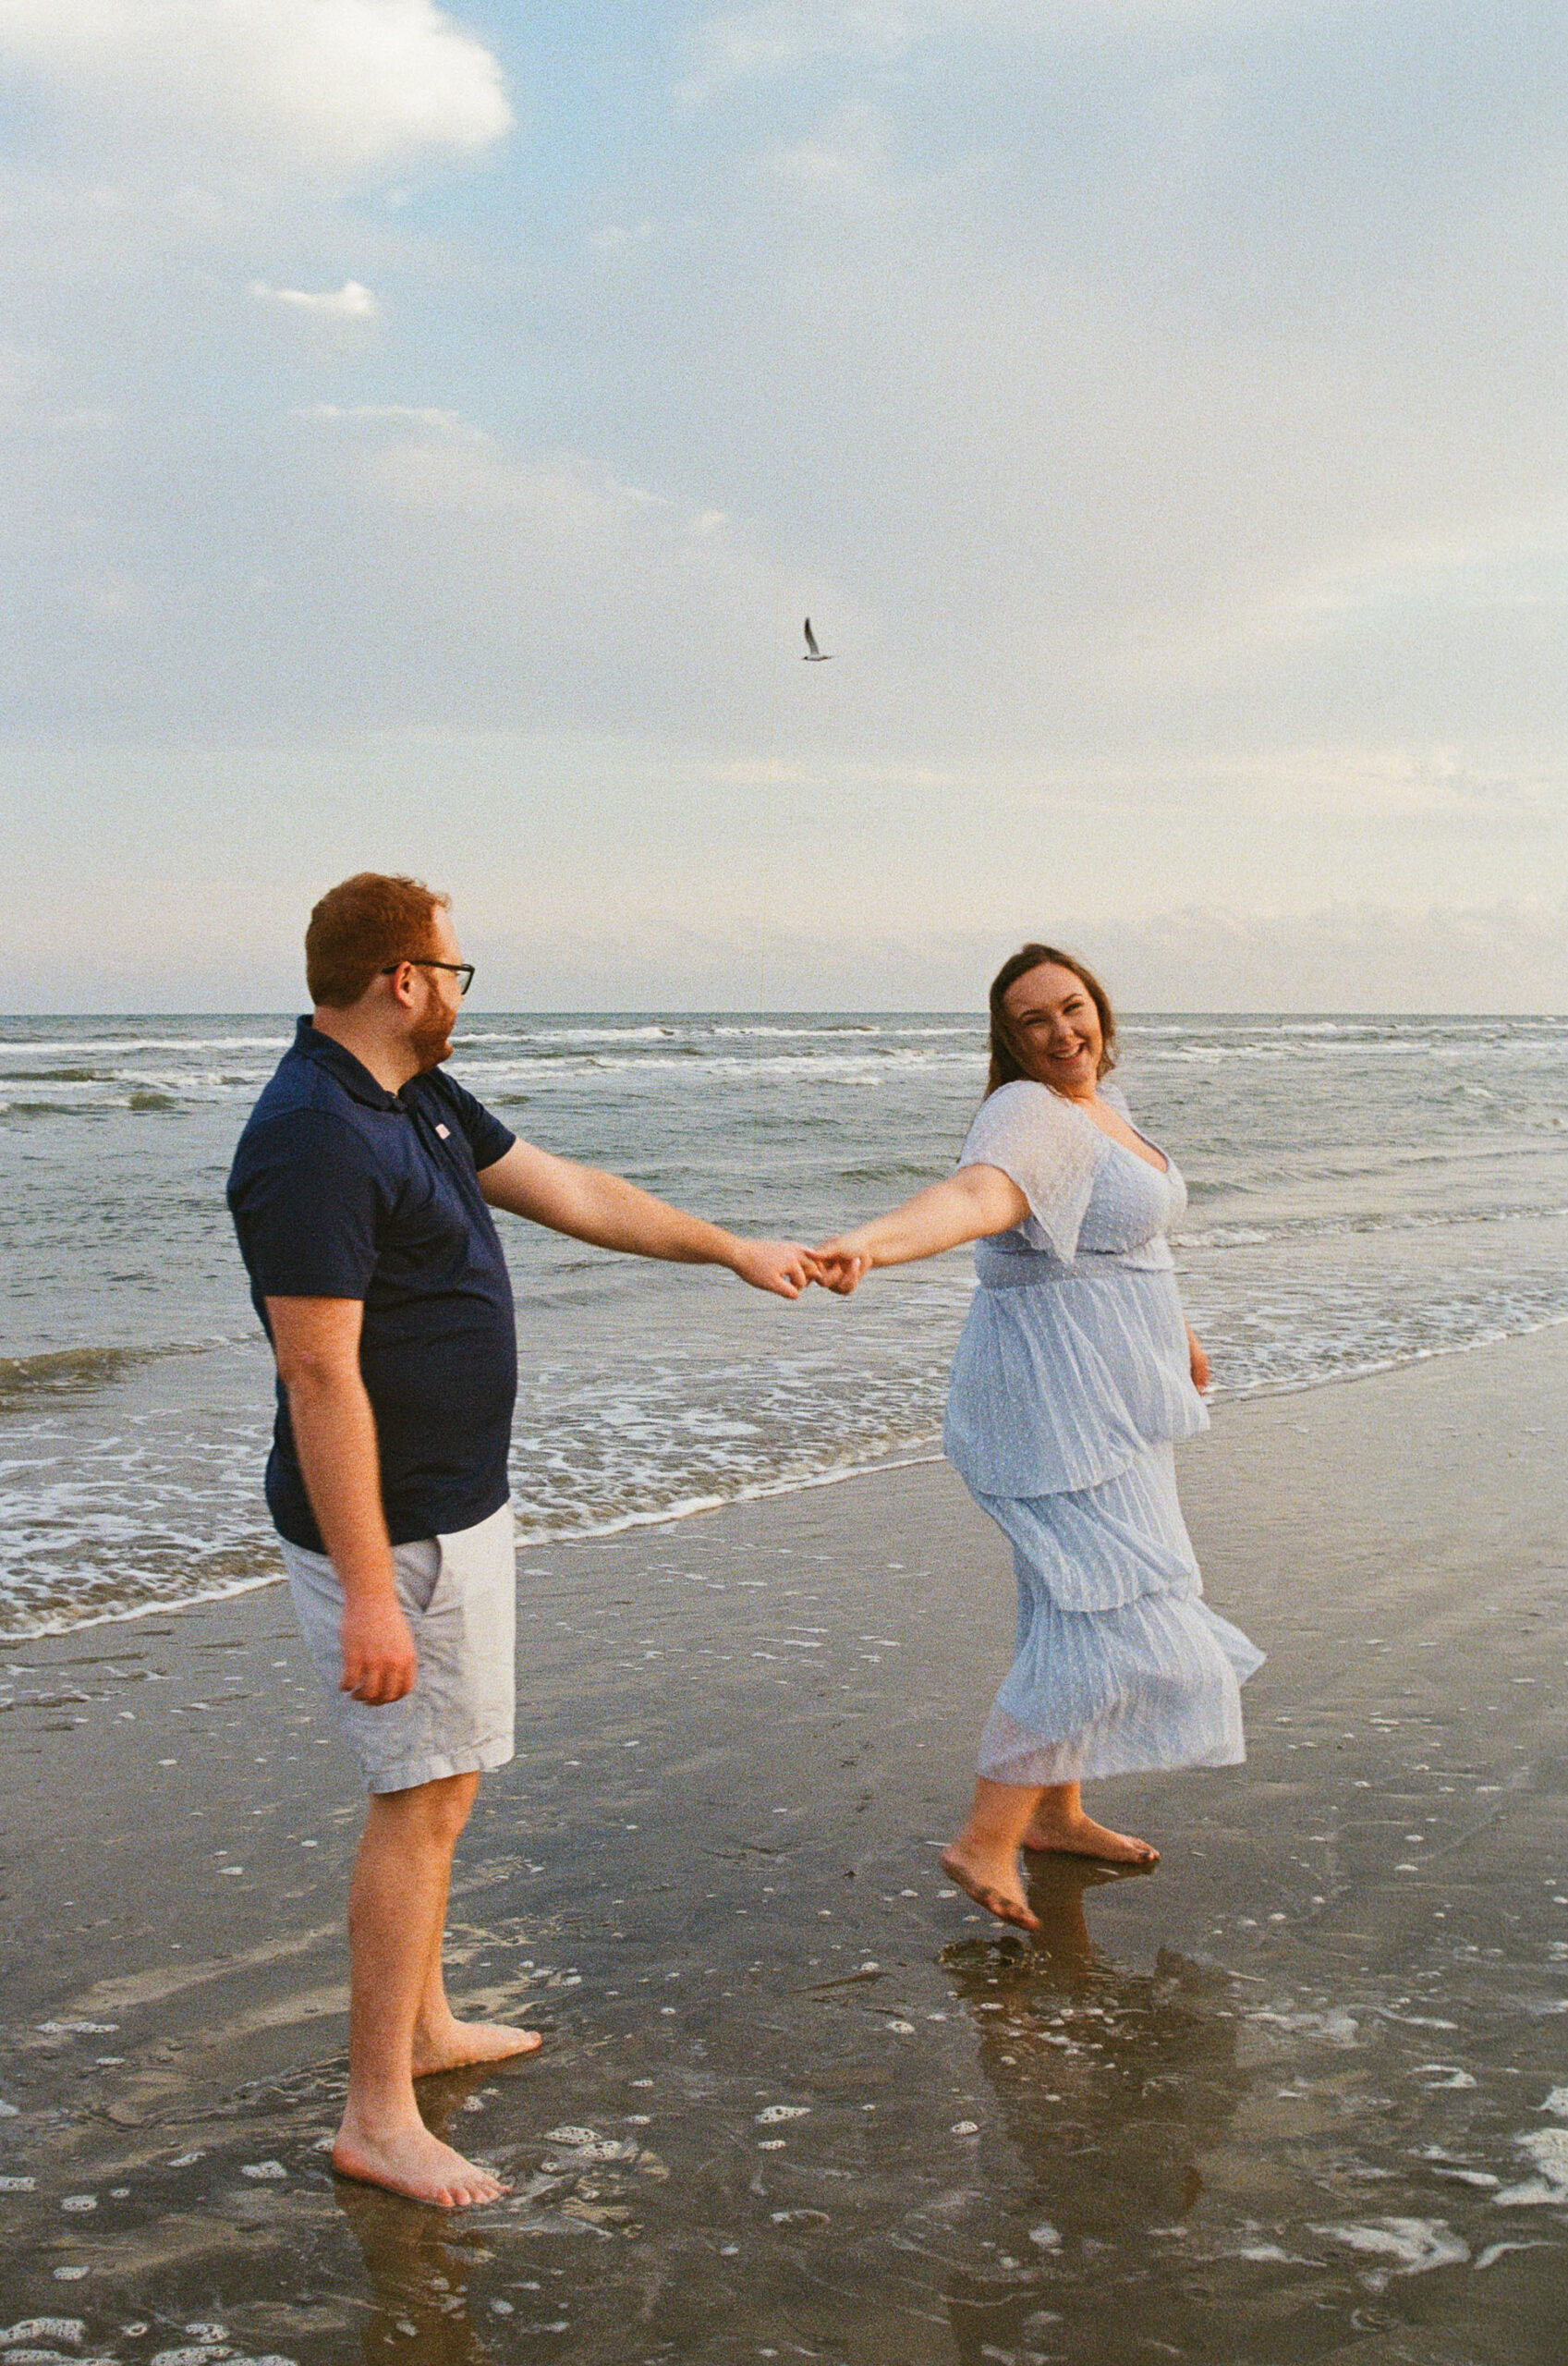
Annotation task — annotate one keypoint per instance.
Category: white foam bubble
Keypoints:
(1412, 2246)
(1548, 2147)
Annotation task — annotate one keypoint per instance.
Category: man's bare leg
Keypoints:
(396, 1904)
(1059, 1823)
(444, 2043)
(983, 1861)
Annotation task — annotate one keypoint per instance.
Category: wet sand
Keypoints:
(1300, 2095)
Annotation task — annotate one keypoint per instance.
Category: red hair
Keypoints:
(363, 926)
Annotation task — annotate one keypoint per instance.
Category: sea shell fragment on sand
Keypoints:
(71, 2329)
(770, 2114)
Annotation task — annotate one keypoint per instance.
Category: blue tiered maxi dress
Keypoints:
(1070, 1389)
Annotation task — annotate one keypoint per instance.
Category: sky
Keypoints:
(426, 430)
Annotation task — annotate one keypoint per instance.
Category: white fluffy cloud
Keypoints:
(352, 302)
(328, 87)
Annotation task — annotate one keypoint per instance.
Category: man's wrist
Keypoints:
(367, 1586)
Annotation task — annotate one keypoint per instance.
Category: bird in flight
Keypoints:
(815, 657)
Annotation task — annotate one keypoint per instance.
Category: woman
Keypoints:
(1075, 1375)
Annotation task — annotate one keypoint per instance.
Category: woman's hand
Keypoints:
(1199, 1362)
(841, 1264)
(781, 1266)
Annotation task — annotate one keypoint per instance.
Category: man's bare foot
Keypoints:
(412, 2162)
(1078, 1836)
(457, 2045)
(994, 1886)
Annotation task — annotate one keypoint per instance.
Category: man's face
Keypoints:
(429, 1035)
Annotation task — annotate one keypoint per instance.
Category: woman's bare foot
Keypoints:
(1076, 1834)
(453, 2044)
(992, 1885)
(411, 2161)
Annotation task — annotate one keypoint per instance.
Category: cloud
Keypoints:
(396, 415)
(777, 38)
(349, 302)
(749, 44)
(333, 88)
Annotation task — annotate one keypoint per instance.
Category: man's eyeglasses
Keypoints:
(462, 970)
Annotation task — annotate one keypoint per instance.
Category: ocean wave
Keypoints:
(865, 1067)
(118, 1047)
(1340, 1228)
(73, 1372)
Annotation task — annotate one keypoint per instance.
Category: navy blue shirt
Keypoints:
(340, 1188)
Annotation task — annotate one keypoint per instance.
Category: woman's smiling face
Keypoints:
(1056, 1028)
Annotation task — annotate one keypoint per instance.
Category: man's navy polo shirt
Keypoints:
(342, 1190)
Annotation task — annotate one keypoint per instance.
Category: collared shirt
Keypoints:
(340, 1188)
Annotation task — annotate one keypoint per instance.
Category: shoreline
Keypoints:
(1291, 2093)
(764, 1491)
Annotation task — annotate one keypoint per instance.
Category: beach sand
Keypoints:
(1300, 2095)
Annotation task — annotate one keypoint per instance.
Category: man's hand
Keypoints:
(782, 1266)
(379, 1664)
(842, 1264)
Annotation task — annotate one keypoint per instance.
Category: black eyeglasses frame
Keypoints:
(460, 969)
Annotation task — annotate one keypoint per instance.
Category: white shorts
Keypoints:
(459, 1594)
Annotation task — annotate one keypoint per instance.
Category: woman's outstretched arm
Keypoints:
(969, 1205)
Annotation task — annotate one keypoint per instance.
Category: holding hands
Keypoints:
(787, 1268)
(842, 1264)
(781, 1266)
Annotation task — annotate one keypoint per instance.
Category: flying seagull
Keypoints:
(815, 657)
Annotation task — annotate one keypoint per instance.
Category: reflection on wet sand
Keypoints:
(1111, 2083)
(417, 2263)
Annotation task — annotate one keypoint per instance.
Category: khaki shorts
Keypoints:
(459, 1594)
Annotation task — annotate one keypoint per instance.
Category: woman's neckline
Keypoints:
(1166, 1166)
(1164, 1169)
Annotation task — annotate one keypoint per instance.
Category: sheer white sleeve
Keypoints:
(1051, 1150)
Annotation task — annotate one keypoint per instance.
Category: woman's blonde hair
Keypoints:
(1008, 1061)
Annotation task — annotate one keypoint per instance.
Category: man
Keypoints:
(362, 1193)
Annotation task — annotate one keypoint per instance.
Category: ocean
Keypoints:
(1364, 1192)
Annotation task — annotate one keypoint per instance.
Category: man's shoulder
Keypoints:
(303, 1113)
(439, 1085)
(299, 1088)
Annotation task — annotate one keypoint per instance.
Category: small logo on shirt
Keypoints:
(445, 1132)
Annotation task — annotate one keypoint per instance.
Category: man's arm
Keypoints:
(590, 1205)
(316, 1341)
